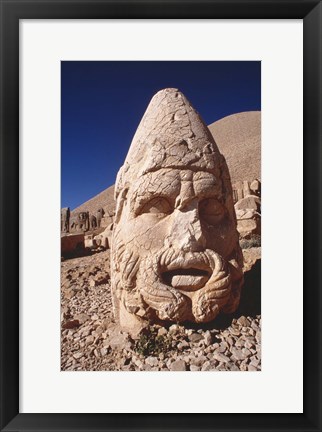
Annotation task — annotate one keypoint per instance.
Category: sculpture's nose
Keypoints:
(186, 232)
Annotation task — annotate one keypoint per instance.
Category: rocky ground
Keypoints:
(90, 339)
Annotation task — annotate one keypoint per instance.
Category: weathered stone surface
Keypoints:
(79, 222)
(247, 227)
(88, 241)
(182, 345)
(99, 215)
(71, 244)
(208, 338)
(194, 368)
(243, 321)
(221, 357)
(247, 214)
(178, 365)
(82, 318)
(64, 219)
(162, 331)
(78, 355)
(255, 187)
(252, 368)
(118, 340)
(175, 250)
(206, 366)
(249, 202)
(71, 324)
(198, 361)
(152, 361)
(104, 239)
(195, 337)
(238, 354)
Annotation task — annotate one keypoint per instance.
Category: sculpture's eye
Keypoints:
(211, 211)
(158, 206)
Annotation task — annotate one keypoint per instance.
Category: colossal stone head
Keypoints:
(175, 250)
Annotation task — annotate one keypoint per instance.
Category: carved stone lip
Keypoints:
(188, 272)
(186, 279)
(189, 263)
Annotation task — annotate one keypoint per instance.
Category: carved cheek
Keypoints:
(147, 234)
(222, 238)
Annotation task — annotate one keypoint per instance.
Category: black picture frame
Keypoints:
(11, 12)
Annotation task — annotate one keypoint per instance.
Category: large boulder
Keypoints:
(72, 245)
(248, 216)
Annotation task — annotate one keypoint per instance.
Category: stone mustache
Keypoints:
(175, 249)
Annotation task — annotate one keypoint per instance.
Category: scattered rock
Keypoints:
(174, 328)
(162, 331)
(182, 345)
(194, 368)
(220, 357)
(103, 351)
(208, 338)
(78, 355)
(243, 321)
(71, 324)
(178, 365)
(82, 318)
(206, 366)
(69, 293)
(199, 361)
(251, 368)
(118, 340)
(238, 354)
(152, 361)
(195, 337)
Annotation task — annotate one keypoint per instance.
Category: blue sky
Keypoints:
(102, 104)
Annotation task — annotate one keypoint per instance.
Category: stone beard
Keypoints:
(175, 248)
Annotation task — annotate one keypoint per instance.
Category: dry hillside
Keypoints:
(104, 199)
(238, 137)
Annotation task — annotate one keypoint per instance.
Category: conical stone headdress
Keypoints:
(171, 134)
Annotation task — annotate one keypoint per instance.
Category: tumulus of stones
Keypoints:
(104, 199)
(175, 250)
(239, 138)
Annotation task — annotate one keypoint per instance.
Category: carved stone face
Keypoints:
(175, 250)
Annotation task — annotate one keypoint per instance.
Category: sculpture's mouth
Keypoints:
(186, 279)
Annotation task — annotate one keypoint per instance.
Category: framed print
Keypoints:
(127, 341)
(121, 288)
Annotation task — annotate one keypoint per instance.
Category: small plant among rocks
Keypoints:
(152, 343)
(253, 241)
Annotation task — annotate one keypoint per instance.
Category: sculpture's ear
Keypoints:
(227, 188)
(120, 192)
(120, 203)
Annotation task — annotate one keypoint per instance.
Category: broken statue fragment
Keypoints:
(175, 250)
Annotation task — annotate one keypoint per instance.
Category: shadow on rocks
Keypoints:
(250, 302)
